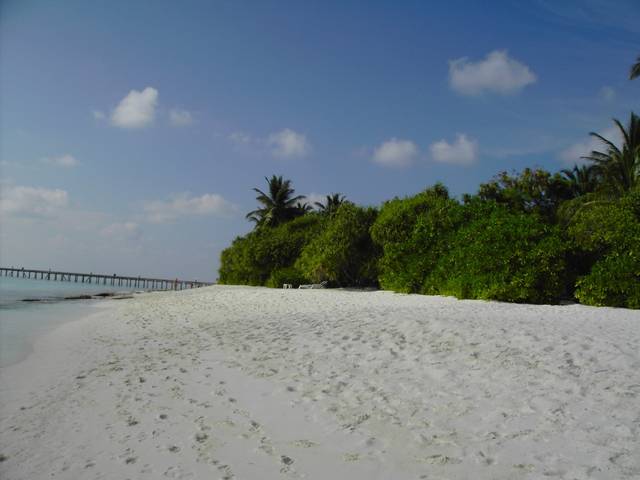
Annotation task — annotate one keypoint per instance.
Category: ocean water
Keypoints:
(22, 322)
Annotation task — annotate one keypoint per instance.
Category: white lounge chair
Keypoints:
(315, 285)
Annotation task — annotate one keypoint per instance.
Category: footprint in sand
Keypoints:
(351, 457)
(442, 460)
(132, 421)
(304, 443)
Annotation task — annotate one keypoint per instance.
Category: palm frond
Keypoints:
(635, 70)
(278, 203)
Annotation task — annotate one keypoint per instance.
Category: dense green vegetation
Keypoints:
(267, 255)
(413, 233)
(343, 253)
(533, 236)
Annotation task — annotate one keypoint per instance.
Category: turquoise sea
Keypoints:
(21, 322)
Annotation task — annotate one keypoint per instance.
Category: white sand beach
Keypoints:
(253, 383)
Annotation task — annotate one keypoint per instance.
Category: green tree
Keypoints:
(277, 206)
(343, 253)
(302, 208)
(620, 167)
(413, 233)
(501, 255)
(265, 256)
(332, 203)
(582, 179)
(531, 191)
(609, 233)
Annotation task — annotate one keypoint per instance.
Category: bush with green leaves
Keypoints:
(253, 259)
(343, 252)
(610, 231)
(413, 232)
(290, 275)
(501, 255)
(614, 281)
(535, 191)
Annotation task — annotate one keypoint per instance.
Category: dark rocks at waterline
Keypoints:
(97, 296)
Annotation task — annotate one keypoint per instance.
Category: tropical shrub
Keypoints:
(343, 252)
(284, 275)
(252, 259)
(237, 265)
(533, 191)
(507, 256)
(614, 281)
(610, 232)
(412, 233)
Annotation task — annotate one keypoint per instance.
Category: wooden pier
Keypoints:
(114, 280)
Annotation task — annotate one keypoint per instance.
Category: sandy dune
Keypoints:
(251, 383)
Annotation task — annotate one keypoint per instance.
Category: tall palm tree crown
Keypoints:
(332, 202)
(303, 208)
(277, 206)
(620, 167)
(635, 70)
(582, 180)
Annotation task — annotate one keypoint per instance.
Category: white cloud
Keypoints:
(137, 109)
(98, 115)
(183, 204)
(395, 153)
(461, 152)
(126, 230)
(21, 200)
(607, 93)
(288, 144)
(240, 138)
(572, 155)
(180, 118)
(63, 161)
(497, 73)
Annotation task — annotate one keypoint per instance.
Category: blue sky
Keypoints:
(132, 132)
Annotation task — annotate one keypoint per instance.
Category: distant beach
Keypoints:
(242, 382)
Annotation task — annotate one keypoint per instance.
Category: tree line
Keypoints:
(532, 236)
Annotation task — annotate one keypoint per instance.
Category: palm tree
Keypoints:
(303, 208)
(635, 70)
(620, 167)
(581, 180)
(278, 206)
(332, 202)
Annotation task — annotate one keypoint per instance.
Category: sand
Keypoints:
(252, 383)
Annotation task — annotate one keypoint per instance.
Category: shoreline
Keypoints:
(96, 296)
(243, 382)
(26, 320)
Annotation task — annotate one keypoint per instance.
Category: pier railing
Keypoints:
(102, 279)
